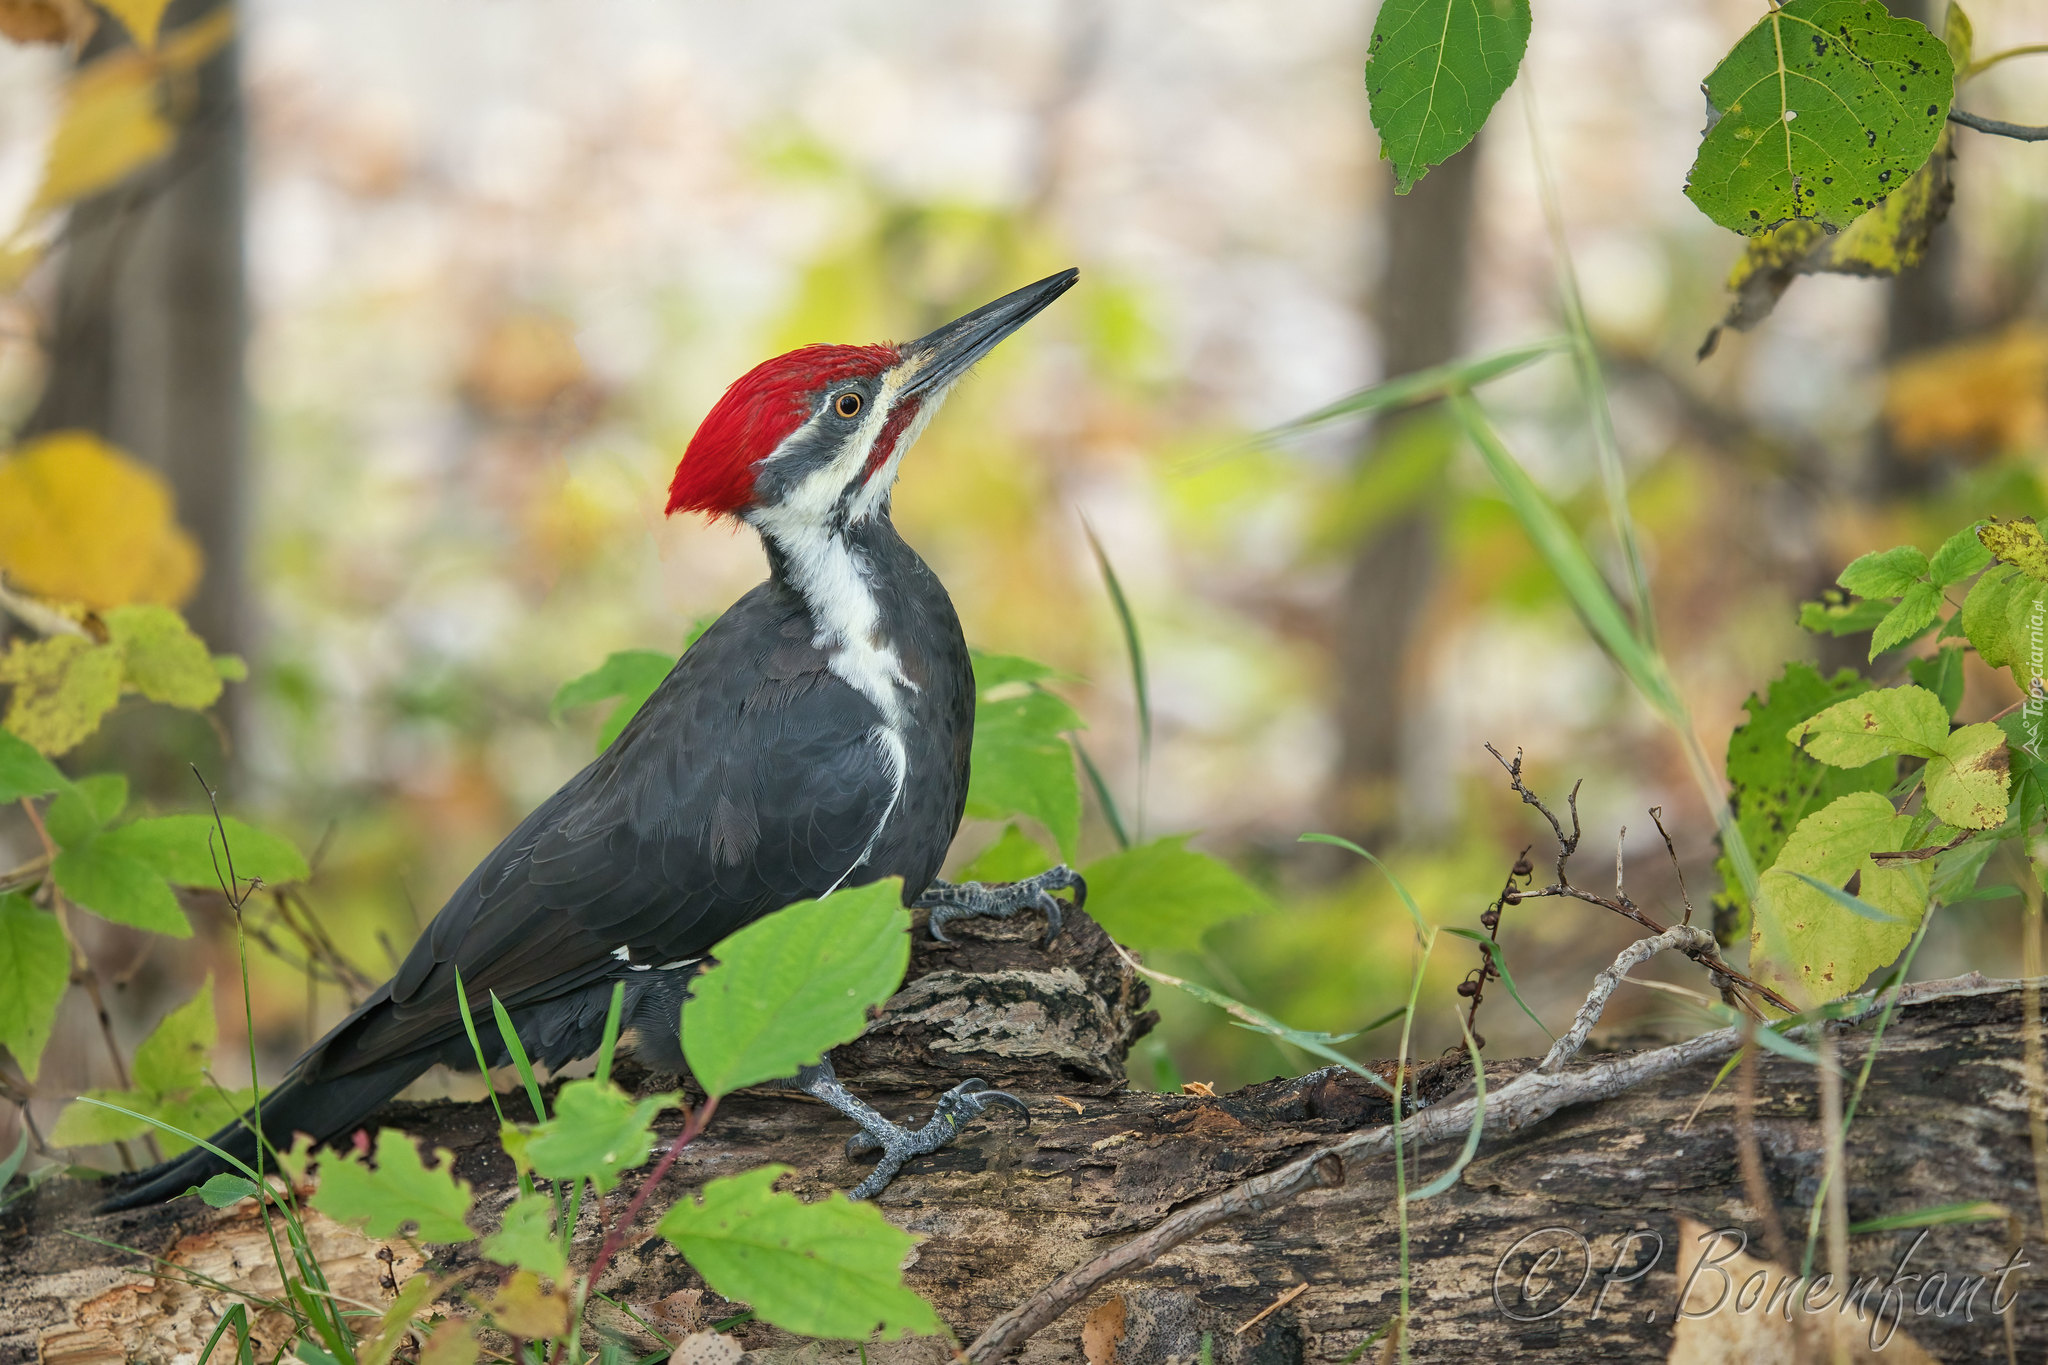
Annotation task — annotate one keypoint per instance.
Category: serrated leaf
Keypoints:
(1842, 618)
(1874, 725)
(826, 1269)
(63, 686)
(1021, 763)
(630, 675)
(82, 522)
(163, 659)
(1961, 555)
(119, 888)
(2018, 543)
(523, 1309)
(1919, 609)
(1165, 895)
(1805, 944)
(1014, 856)
(1884, 573)
(1966, 784)
(23, 771)
(1819, 111)
(1942, 674)
(89, 805)
(35, 969)
(597, 1133)
(186, 849)
(1433, 73)
(791, 986)
(173, 1057)
(400, 1192)
(526, 1238)
(1775, 784)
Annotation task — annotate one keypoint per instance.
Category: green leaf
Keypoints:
(1802, 941)
(35, 968)
(85, 808)
(187, 850)
(526, 1239)
(1011, 858)
(631, 675)
(2018, 543)
(1021, 763)
(223, 1189)
(1855, 905)
(173, 1057)
(1919, 609)
(1885, 573)
(832, 1268)
(2005, 618)
(1434, 72)
(1822, 109)
(231, 667)
(1874, 725)
(162, 658)
(1966, 783)
(400, 1192)
(1942, 674)
(119, 888)
(598, 1133)
(1839, 618)
(1961, 555)
(792, 985)
(88, 1125)
(23, 771)
(1165, 895)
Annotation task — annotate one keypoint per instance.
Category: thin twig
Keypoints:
(2018, 132)
(694, 1121)
(1657, 814)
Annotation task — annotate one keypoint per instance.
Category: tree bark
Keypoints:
(1609, 1189)
(1420, 309)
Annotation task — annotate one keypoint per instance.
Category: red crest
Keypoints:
(755, 416)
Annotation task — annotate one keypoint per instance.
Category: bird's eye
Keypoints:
(847, 405)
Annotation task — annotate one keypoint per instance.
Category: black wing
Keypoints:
(753, 777)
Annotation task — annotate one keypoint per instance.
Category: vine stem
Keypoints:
(694, 1123)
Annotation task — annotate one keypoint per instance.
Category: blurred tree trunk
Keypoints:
(145, 344)
(1421, 312)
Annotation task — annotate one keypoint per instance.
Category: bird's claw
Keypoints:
(898, 1145)
(981, 900)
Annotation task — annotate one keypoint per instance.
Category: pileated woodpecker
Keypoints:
(816, 736)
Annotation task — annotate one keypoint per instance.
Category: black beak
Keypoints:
(948, 352)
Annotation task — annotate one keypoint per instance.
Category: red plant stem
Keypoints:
(694, 1122)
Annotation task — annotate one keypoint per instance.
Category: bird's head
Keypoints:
(815, 436)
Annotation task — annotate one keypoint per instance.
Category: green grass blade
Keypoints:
(174, 1131)
(1855, 905)
(517, 1050)
(1103, 797)
(1499, 957)
(1134, 648)
(611, 1033)
(483, 1067)
(1472, 1135)
(1414, 911)
(1941, 1215)
(1417, 386)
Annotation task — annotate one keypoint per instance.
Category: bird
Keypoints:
(815, 736)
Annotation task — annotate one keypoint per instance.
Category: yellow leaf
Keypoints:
(453, 1343)
(111, 127)
(62, 686)
(141, 18)
(1977, 397)
(82, 522)
(522, 1310)
(165, 661)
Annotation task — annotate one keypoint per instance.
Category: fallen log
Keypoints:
(1564, 1234)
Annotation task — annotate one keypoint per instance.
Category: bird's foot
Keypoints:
(896, 1143)
(949, 901)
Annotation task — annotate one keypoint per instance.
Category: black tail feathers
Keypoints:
(325, 1109)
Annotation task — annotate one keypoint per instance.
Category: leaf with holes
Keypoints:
(63, 686)
(791, 986)
(1803, 942)
(1433, 73)
(1819, 111)
(832, 1268)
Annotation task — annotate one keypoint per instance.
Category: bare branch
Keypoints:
(2018, 132)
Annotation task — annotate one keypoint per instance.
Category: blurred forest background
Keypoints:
(419, 310)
